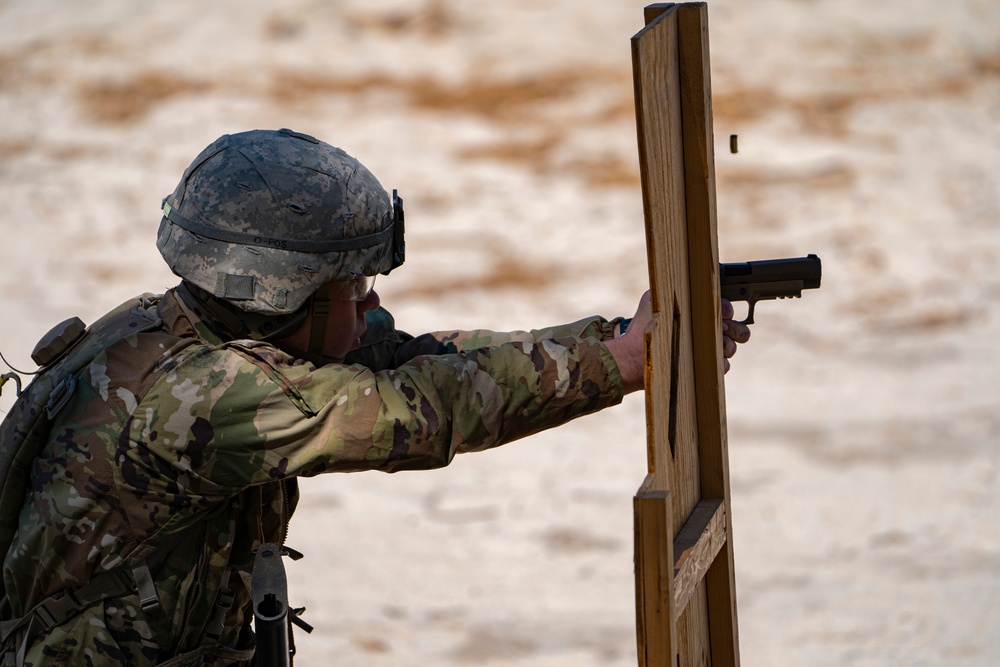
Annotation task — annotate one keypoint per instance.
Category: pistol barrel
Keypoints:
(807, 269)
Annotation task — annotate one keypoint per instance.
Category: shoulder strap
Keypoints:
(26, 428)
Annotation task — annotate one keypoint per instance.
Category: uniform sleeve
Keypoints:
(384, 346)
(248, 413)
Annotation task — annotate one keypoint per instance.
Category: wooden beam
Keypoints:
(703, 257)
(653, 576)
(653, 11)
(703, 247)
(695, 549)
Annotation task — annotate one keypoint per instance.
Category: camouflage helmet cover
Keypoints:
(262, 219)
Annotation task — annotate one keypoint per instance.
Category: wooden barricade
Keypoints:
(685, 583)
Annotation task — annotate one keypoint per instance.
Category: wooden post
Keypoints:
(685, 582)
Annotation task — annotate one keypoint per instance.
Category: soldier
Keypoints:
(160, 447)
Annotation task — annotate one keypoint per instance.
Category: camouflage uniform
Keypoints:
(179, 448)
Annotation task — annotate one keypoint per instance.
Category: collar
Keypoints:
(183, 317)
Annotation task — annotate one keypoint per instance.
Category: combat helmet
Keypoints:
(263, 219)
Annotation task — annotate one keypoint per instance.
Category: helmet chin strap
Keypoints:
(319, 308)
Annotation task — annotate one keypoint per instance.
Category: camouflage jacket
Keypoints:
(179, 442)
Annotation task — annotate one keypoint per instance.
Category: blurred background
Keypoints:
(864, 428)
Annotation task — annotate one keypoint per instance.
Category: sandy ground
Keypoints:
(863, 419)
